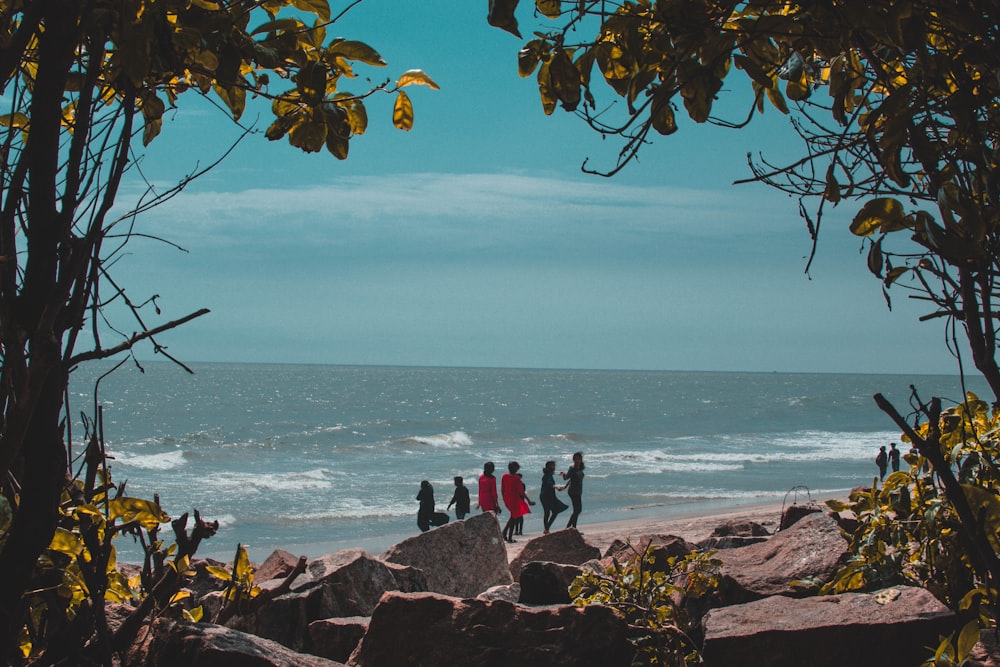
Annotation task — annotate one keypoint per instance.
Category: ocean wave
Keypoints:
(309, 480)
(161, 461)
(453, 440)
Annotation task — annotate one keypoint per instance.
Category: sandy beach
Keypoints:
(694, 526)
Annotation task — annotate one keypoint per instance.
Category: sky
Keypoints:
(476, 240)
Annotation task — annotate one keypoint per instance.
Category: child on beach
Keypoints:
(460, 500)
(519, 524)
(512, 489)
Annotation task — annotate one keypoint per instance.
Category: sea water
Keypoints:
(318, 458)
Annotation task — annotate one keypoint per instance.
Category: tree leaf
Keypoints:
(967, 639)
(402, 112)
(319, 8)
(501, 15)
(353, 50)
(549, 8)
(66, 542)
(881, 214)
(309, 134)
(311, 81)
(528, 58)
(148, 514)
(416, 77)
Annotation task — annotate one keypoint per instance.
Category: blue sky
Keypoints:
(475, 240)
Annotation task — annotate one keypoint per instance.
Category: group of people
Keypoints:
(514, 495)
(884, 459)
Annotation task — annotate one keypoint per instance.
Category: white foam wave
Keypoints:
(162, 461)
(317, 479)
(453, 440)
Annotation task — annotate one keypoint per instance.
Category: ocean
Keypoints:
(313, 459)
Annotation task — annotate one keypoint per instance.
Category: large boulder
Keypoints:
(546, 583)
(664, 547)
(891, 627)
(463, 558)
(734, 534)
(168, 643)
(810, 550)
(431, 629)
(562, 546)
(276, 566)
(345, 583)
(336, 638)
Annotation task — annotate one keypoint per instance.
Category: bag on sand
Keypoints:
(439, 519)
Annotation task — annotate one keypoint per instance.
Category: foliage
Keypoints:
(652, 601)
(85, 85)
(911, 533)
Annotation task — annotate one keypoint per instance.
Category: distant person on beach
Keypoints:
(551, 505)
(893, 457)
(426, 512)
(488, 500)
(574, 484)
(512, 490)
(882, 461)
(460, 500)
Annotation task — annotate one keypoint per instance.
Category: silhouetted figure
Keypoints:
(551, 505)
(574, 484)
(882, 461)
(460, 500)
(426, 512)
(893, 457)
(488, 500)
(519, 524)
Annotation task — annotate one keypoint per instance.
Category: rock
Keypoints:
(510, 593)
(345, 583)
(729, 542)
(463, 558)
(167, 643)
(986, 653)
(336, 638)
(810, 550)
(432, 629)
(275, 566)
(744, 528)
(202, 582)
(891, 627)
(793, 513)
(546, 583)
(562, 546)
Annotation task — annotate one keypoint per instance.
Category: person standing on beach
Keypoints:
(488, 500)
(574, 482)
(882, 461)
(512, 490)
(426, 512)
(460, 500)
(519, 524)
(551, 505)
(893, 457)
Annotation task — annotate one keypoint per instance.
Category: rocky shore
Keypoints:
(460, 594)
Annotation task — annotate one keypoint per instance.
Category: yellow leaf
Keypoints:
(967, 639)
(66, 542)
(194, 615)
(147, 513)
(352, 50)
(18, 120)
(218, 572)
(319, 8)
(179, 595)
(402, 112)
(549, 8)
(416, 76)
(882, 214)
(241, 564)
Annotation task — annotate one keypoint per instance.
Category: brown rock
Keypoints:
(336, 638)
(891, 627)
(810, 550)
(168, 643)
(431, 629)
(664, 547)
(546, 583)
(345, 583)
(276, 566)
(562, 546)
(463, 558)
(793, 513)
(510, 593)
(743, 528)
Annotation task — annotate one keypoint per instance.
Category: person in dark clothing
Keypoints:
(551, 504)
(574, 483)
(882, 461)
(426, 511)
(460, 500)
(893, 457)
